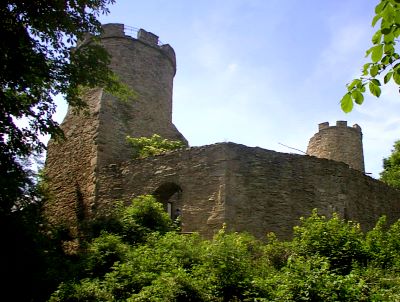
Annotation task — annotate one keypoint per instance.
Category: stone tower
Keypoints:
(340, 143)
(97, 139)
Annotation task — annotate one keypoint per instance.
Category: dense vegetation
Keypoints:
(141, 257)
(149, 146)
(391, 167)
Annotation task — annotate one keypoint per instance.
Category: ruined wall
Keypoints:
(200, 173)
(269, 191)
(253, 189)
(97, 138)
(71, 164)
(340, 143)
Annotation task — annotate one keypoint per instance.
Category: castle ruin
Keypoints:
(249, 189)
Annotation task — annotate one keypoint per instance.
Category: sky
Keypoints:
(267, 72)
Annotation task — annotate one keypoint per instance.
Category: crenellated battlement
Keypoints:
(342, 124)
(119, 30)
(340, 143)
(112, 30)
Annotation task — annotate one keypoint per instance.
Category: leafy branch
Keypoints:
(383, 55)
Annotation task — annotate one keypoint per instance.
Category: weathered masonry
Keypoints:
(340, 143)
(249, 189)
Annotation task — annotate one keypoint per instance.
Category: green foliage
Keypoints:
(327, 260)
(391, 167)
(149, 146)
(341, 242)
(176, 285)
(383, 243)
(103, 252)
(227, 266)
(145, 215)
(89, 290)
(384, 59)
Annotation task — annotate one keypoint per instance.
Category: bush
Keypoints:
(143, 216)
(103, 252)
(340, 241)
(149, 146)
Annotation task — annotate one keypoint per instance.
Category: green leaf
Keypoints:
(385, 60)
(386, 30)
(367, 53)
(389, 38)
(374, 89)
(353, 84)
(388, 14)
(387, 77)
(357, 96)
(365, 69)
(376, 82)
(386, 26)
(396, 78)
(375, 19)
(379, 8)
(347, 103)
(388, 48)
(376, 38)
(377, 52)
(396, 31)
(374, 70)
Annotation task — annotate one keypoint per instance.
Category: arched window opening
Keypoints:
(170, 195)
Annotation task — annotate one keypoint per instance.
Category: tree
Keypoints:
(38, 61)
(391, 167)
(384, 59)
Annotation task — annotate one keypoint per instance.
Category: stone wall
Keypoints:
(340, 143)
(199, 173)
(97, 138)
(71, 164)
(252, 189)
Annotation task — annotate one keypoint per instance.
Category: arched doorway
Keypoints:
(170, 195)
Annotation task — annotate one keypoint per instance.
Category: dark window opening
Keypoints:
(170, 195)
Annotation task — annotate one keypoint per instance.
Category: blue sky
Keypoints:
(265, 72)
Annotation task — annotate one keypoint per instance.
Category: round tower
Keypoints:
(97, 138)
(148, 67)
(340, 143)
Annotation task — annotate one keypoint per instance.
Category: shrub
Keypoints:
(149, 146)
(340, 241)
(143, 216)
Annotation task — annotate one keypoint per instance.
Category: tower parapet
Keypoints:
(340, 142)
